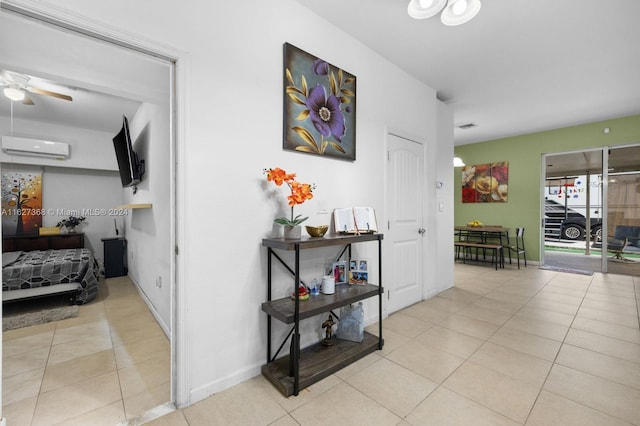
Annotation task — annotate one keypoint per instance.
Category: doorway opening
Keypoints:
(121, 81)
(588, 195)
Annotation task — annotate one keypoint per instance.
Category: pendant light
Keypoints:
(457, 162)
(457, 12)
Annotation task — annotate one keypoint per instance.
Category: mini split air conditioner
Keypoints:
(35, 148)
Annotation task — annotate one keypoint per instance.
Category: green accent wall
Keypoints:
(524, 154)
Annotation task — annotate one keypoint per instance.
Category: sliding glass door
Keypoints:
(623, 216)
(592, 211)
(573, 194)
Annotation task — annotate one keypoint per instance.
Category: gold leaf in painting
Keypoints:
(349, 80)
(347, 92)
(345, 100)
(296, 99)
(304, 86)
(306, 149)
(303, 115)
(337, 147)
(332, 82)
(340, 75)
(293, 89)
(306, 136)
(287, 73)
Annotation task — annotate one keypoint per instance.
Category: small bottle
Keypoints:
(314, 287)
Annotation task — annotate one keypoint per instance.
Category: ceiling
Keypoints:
(89, 109)
(518, 67)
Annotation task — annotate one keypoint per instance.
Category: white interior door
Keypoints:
(404, 234)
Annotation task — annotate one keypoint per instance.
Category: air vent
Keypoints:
(467, 126)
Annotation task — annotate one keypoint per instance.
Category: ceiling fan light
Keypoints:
(457, 12)
(423, 9)
(13, 93)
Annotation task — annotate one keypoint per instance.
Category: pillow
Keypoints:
(9, 257)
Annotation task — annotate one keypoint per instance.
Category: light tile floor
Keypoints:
(109, 365)
(507, 347)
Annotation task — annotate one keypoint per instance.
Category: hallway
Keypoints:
(506, 347)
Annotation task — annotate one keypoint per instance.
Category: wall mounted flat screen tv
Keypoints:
(131, 168)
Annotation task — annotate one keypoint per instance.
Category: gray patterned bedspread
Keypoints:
(44, 268)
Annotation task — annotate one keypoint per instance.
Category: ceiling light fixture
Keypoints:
(13, 93)
(454, 12)
(457, 162)
(423, 9)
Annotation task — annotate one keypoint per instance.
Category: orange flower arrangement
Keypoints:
(300, 192)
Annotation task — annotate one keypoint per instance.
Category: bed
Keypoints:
(37, 273)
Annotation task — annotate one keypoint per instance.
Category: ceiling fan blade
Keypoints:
(49, 93)
(27, 100)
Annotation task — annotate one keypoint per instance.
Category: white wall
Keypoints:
(443, 208)
(148, 231)
(92, 193)
(233, 123)
(90, 149)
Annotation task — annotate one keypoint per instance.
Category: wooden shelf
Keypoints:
(284, 309)
(315, 242)
(318, 362)
(303, 367)
(135, 206)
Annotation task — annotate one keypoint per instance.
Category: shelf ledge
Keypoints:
(135, 206)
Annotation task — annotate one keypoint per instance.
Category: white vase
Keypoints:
(292, 232)
(67, 229)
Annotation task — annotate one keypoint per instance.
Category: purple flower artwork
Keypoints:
(319, 106)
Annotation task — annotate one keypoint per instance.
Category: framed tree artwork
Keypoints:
(319, 106)
(21, 202)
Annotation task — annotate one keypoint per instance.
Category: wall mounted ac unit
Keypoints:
(35, 148)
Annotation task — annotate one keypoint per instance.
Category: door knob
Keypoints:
(421, 231)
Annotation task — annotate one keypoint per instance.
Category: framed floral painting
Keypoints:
(485, 183)
(319, 106)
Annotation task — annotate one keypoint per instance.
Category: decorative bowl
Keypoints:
(317, 231)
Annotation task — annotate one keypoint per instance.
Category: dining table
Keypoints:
(483, 233)
(486, 234)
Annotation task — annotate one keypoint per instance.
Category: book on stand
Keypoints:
(355, 220)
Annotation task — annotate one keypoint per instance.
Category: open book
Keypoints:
(355, 220)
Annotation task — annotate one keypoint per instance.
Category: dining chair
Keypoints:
(518, 247)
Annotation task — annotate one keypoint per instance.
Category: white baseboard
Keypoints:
(205, 391)
(154, 312)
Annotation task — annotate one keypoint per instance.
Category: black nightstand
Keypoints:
(115, 257)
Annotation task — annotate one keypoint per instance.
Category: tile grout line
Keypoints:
(554, 363)
(511, 317)
(439, 385)
(46, 365)
(115, 360)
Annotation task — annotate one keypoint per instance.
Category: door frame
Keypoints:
(604, 207)
(178, 131)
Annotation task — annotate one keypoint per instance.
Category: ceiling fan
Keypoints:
(17, 86)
